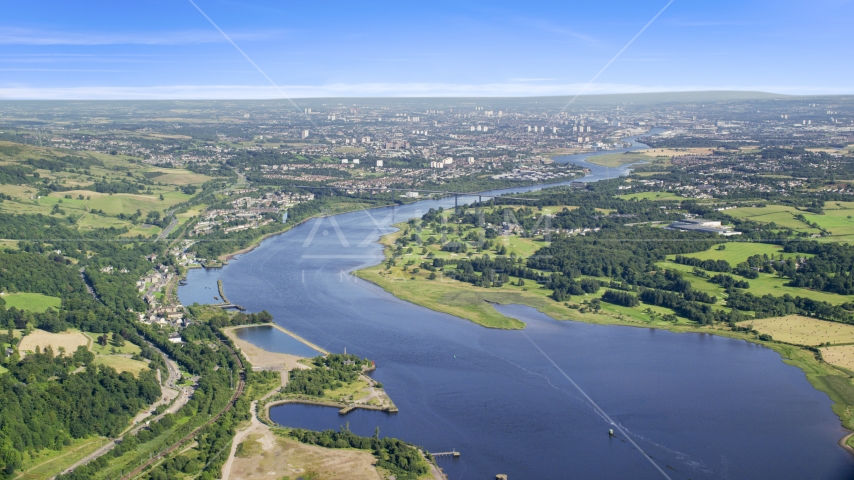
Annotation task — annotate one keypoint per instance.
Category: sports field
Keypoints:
(802, 330)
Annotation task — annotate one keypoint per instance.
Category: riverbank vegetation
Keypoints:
(401, 459)
(606, 259)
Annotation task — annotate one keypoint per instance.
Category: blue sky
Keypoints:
(167, 49)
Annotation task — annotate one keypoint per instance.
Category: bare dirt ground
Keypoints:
(260, 358)
(281, 457)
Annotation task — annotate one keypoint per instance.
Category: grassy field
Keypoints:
(802, 330)
(780, 215)
(838, 218)
(33, 302)
(68, 340)
(97, 349)
(115, 204)
(766, 284)
(121, 364)
(475, 304)
(840, 356)
(350, 150)
(47, 463)
(82, 200)
(557, 209)
(674, 152)
(737, 252)
(178, 177)
(355, 389)
(650, 196)
(839, 222)
(190, 214)
(615, 160)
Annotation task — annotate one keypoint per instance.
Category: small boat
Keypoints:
(216, 298)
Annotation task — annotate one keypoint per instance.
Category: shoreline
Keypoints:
(779, 347)
(281, 329)
(343, 409)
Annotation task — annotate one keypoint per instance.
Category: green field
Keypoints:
(474, 303)
(766, 284)
(614, 160)
(33, 302)
(47, 463)
(128, 348)
(115, 204)
(121, 364)
(839, 222)
(781, 215)
(838, 219)
(178, 176)
(737, 252)
(650, 196)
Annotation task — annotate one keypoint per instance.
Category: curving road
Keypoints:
(183, 396)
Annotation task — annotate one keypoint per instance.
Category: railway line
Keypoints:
(175, 446)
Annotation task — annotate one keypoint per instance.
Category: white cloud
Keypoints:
(22, 36)
(201, 92)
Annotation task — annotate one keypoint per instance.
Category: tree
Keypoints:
(118, 340)
(102, 340)
(82, 356)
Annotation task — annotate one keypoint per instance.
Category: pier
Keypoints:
(452, 453)
(230, 306)
(226, 305)
(221, 291)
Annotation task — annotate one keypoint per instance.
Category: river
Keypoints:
(701, 406)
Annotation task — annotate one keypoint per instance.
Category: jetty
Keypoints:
(452, 453)
(221, 291)
(226, 305)
(230, 306)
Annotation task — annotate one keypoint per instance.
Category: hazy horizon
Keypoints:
(182, 50)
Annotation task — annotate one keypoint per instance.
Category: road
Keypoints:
(238, 438)
(166, 231)
(183, 392)
(175, 446)
(86, 282)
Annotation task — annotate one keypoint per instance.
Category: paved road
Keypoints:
(184, 393)
(175, 446)
(166, 231)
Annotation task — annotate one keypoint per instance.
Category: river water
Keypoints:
(700, 406)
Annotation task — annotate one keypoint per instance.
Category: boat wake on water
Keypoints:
(597, 407)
